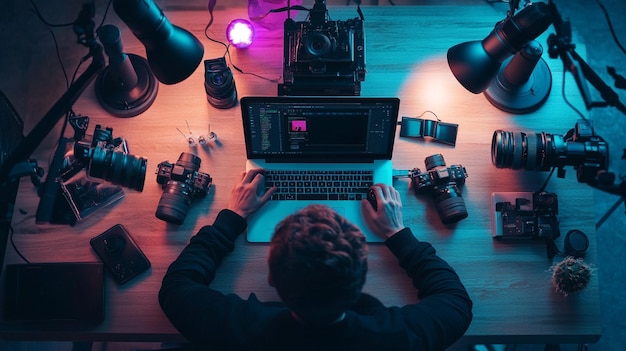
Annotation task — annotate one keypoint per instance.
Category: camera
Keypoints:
(181, 182)
(528, 218)
(579, 147)
(219, 84)
(323, 57)
(442, 183)
(104, 162)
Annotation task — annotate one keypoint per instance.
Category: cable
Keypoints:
(567, 101)
(211, 6)
(609, 212)
(610, 24)
(15, 246)
(545, 184)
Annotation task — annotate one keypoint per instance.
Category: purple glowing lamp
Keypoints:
(240, 33)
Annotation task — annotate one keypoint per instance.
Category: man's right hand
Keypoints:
(248, 193)
(386, 220)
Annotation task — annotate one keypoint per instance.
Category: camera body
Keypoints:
(104, 161)
(323, 57)
(181, 182)
(442, 183)
(533, 218)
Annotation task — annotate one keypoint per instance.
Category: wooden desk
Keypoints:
(514, 301)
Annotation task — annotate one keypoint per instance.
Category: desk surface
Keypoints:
(514, 301)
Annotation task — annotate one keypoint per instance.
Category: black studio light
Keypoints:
(507, 64)
(173, 52)
(128, 85)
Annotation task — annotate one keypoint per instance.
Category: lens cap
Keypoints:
(576, 243)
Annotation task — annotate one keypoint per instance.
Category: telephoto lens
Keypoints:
(579, 147)
(118, 168)
(103, 162)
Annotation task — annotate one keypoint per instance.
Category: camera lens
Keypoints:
(219, 84)
(532, 151)
(450, 205)
(174, 202)
(434, 161)
(317, 44)
(118, 168)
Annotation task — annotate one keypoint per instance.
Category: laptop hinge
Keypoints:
(318, 160)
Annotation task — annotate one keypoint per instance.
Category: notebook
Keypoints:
(323, 150)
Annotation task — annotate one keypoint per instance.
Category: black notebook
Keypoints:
(72, 292)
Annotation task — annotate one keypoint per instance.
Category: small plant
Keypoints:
(571, 275)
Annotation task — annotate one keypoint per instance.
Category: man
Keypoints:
(317, 264)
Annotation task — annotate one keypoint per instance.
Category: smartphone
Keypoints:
(120, 253)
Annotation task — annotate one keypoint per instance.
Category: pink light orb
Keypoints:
(240, 33)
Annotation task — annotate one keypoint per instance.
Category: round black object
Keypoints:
(371, 197)
(219, 84)
(318, 44)
(450, 204)
(576, 243)
(175, 202)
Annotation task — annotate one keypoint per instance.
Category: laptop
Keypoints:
(318, 150)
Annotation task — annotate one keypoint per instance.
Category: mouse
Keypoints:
(371, 197)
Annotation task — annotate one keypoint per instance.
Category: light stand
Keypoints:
(560, 45)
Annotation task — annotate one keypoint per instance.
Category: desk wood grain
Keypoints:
(514, 301)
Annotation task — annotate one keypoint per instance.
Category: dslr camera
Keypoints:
(528, 218)
(442, 183)
(181, 182)
(103, 159)
(323, 57)
(580, 147)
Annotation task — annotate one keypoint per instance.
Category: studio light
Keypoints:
(126, 87)
(173, 53)
(240, 33)
(507, 64)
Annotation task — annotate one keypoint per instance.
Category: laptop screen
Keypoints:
(351, 128)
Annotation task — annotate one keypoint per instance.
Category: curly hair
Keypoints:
(318, 263)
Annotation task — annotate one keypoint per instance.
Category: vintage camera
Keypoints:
(579, 147)
(528, 218)
(323, 57)
(181, 183)
(442, 183)
(102, 160)
(219, 84)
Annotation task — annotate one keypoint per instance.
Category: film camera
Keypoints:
(442, 183)
(323, 57)
(181, 182)
(103, 160)
(579, 147)
(528, 218)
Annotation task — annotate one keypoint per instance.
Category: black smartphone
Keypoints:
(120, 253)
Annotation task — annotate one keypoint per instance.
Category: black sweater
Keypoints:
(213, 320)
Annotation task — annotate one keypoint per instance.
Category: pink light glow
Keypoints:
(240, 33)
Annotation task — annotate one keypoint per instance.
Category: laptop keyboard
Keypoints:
(319, 185)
